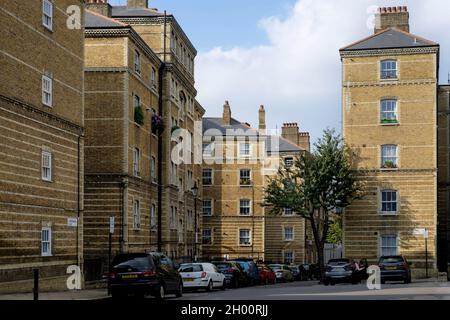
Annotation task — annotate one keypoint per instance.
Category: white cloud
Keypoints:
(297, 75)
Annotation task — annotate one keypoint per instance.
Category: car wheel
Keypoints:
(224, 286)
(332, 283)
(179, 292)
(383, 281)
(117, 295)
(235, 283)
(209, 288)
(161, 293)
(326, 282)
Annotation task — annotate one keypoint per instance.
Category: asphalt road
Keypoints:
(313, 291)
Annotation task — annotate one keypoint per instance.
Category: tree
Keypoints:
(316, 186)
(334, 235)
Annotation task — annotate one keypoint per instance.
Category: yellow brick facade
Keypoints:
(414, 179)
(29, 128)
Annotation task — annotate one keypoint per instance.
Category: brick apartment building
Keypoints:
(139, 68)
(41, 149)
(392, 105)
(237, 162)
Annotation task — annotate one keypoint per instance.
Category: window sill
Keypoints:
(246, 185)
(396, 124)
(389, 80)
(245, 245)
(387, 214)
(388, 169)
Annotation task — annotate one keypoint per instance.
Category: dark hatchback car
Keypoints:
(144, 274)
(234, 275)
(395, 268)
(251, 271)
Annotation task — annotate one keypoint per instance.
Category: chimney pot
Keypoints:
(226, 113)
(262, 118)
(392, 17)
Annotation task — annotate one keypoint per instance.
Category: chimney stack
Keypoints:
(137, 4)
(226, 114)
(291, 132)
(262, 118)
(388, 17)
(99, 6)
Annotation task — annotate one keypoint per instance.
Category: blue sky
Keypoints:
(284, 54)
(225, 23)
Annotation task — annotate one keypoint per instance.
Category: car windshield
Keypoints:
(132, 264)
(391, 260)
(244, 265)
(275, 267)
(338, 262)
(223, 266)
(191, 268)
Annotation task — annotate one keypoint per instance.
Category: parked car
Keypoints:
(296, 272)
(282, 272)
(250, 270)
(266, 275)
(144, 274)
(395, 268)
(234, 275)
(344, 271)
(201, 276)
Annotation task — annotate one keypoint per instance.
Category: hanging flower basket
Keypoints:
(157, 124)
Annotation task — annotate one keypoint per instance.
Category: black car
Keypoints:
(144, 274)
(250, 269)
(394, 268)
(234, 275)
(296, 272)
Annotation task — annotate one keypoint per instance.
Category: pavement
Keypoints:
(429, 289)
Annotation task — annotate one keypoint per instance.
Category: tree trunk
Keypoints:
(318, 241)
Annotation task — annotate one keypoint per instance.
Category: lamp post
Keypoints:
(195, 194)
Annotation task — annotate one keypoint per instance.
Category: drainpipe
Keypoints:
(160, 137)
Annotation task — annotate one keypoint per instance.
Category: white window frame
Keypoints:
(153, 168)
(153, 76)
(46, 164)
(153, 216)
(47, 91)
(46, 240)
(47, 14)
(241, 244)
(211, 177)
(388, 155)
(383, 247)
(387, 73)
(292, 234)
(245, 152)
(136, 215)
(208, 149)
(397, 203)
(285, 253)
(388, 111)
(211, 204)
(289, 162)
(249, 178)
(137, 62)
(136, 161)
(249, 207)
(210, 236)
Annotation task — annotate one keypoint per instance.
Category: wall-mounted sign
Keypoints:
(72, 222)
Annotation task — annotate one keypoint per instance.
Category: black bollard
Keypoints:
(36, 284)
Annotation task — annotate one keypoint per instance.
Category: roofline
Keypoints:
(123, 31)
(106, 18)
(430, 43)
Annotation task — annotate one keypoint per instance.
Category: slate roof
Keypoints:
(123, 11)
(271, 146)
(391, 38)
(95, 20)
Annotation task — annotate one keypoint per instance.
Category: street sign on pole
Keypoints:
(111, 225)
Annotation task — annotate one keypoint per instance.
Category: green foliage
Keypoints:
(139, 115)
(334, 235)
(317, 185)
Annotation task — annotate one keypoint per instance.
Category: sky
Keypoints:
(284, 54)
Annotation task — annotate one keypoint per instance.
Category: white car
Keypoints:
(201, 276)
